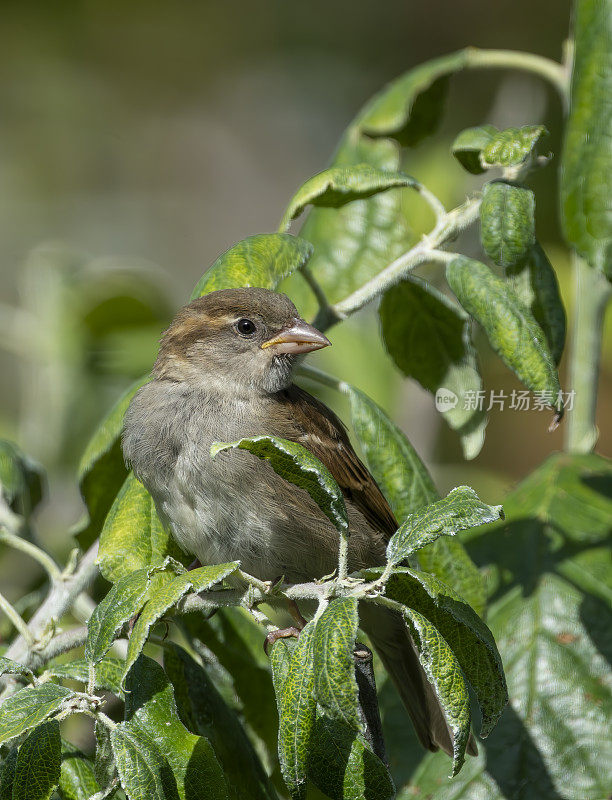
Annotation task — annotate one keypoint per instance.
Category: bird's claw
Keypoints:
(281, 633)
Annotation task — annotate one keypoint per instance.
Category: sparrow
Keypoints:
(224, 371)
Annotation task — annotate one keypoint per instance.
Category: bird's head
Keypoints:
(237, 338)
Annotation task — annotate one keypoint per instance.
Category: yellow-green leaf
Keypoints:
(334, 641)
(133, 536)
(296, 711)
(262, 260)
(124, 600)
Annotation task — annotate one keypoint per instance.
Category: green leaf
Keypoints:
(513, 146)
(507, 223)
(159, 601)
(536, 286)
(410, 107)
(298, 466)
(10, 667)
(336, 186)
(21, 479)
(37, 771)
(296, 710)
(7, 774)
(334, 665)
(151, 712)
(143, 771)
(261, 260)
(469, 144)
(343, 766)
(105, 770)
(203, 711)
(554, 632)
(444, 674)
(465, 633)
(133, 536)
(125, 598)
(586, 166)
(77, 779)
(280, 658)
(29, 707)
(390, 457)
(459, 510)
(102, 470)
(408, 486)
(428, 338)
(510, 327)
(108, 673)
(372, 231)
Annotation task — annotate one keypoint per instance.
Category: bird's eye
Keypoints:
(245, 327)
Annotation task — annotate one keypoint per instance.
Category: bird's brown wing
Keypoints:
(319, 430)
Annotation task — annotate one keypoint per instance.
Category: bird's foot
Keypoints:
(194, 565)
(281, 633)
(300, 622)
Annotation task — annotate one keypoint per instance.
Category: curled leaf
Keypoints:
(469, 144)
(297, 465)
(336, 186)
(410, 107)
(444, 673)
(459, 510)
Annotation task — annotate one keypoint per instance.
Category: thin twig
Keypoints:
(32, 550)
(447, 228)
(17, 620)
(60, 598)
(61, 643)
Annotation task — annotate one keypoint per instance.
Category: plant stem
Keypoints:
(551, 71)
(60, 598)
(343, 556)
(592, 292)
(317, 375)
(446, 229)
(32, 550)
(17, 620)
(62, 643)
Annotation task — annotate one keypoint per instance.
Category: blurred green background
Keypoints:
(139, 140)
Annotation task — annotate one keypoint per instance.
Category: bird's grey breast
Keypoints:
(215, 508)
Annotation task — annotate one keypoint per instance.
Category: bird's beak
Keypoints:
(299, 338)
